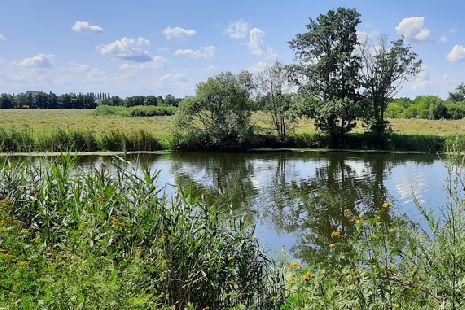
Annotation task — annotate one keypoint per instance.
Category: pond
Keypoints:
(296, 199)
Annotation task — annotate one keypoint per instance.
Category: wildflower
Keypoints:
(274, 298)
(358, 222)
(360, 215)
(294, 264)
(335, 234)
(308, 275)
(347, 213)
(386, 205)
(23, 263)
(332, 245)
(8, 255)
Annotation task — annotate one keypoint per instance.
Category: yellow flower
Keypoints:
(294, 264)
(308, 275)
(8, 255)
(347, 213)
(23, 263)
(360, 215)
(332, 245)
(335, 234)
(386, 205)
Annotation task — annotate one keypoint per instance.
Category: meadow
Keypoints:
(86, 130)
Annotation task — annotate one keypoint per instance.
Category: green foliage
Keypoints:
(426, 107)
(328, 69)
(14, 140)
(135, 111)
(385, 67)
(391, 265)
(458, 94)
(108, 238)
(218, 116)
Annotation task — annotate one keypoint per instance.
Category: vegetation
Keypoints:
(108, 238)
(426, 107)
(42, 100)
(135, 111)
(218, 115)
(328, 69)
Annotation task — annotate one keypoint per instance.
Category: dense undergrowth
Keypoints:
(23, 140)
(135, 111)
(107, 238)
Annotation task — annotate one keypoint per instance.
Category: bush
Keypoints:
(135, 111)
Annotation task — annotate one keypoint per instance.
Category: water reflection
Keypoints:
(297, 199)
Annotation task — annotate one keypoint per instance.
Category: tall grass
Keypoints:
(14, 140)
(108, 237)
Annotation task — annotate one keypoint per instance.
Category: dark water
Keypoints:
(296, 199)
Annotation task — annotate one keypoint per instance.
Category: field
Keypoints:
(47, 121)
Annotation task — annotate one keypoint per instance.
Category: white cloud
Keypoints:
(256, 44)
(131, 49)
(258, 67)
(156, 63)
(37, 61)
(364, 35)
(172, 78)
(443, 39)
(206, 52)
(422, 80)
(83, 26)
(457, 54)
(412, 28)
(2, 36)
(178, 32)
(238, 29)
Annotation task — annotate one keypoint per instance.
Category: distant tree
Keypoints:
(170, 100)
(6, 101)
(458, 94)
(328, 70)
(219, 113)
(274, 96)
(150, 100)
(385, 67)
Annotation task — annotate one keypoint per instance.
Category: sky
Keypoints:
(166, 47)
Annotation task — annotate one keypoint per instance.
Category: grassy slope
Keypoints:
(45, 121)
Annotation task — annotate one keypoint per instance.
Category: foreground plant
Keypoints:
(109, 238)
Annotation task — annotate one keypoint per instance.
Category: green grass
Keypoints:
(136, 111)
(83, 130)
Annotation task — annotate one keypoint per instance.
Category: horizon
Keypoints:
(89, 47)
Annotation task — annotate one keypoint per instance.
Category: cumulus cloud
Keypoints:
(178, 32)
(156, 63)
(256, 44)
(2, 36)
(130, 49)
(83, 26)
(457, 54)
(37, 61)
(206, 52)
(364, 35)
(237, 29)
(413, 29)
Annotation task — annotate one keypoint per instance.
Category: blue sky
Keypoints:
(159, 47)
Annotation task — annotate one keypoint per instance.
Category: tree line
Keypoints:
(339, 77)
(43, 100)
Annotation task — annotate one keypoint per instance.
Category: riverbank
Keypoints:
(32, 131)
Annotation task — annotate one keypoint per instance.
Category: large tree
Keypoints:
(385, 67)
(219, 113)
(458, 94)
(328, 70)
(274, 96)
